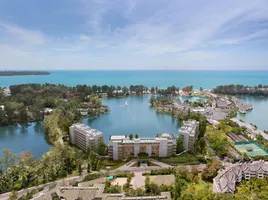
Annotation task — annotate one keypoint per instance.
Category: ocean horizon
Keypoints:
(207, 79)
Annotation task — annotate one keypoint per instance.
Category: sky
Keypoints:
(133, 35)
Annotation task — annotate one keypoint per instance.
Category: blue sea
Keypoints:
(205, 79)
(138, 116)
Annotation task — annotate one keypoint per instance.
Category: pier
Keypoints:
(242, 107)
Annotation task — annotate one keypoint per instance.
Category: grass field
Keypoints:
(185, 158)
(112, 164)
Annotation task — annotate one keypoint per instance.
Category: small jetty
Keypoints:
(242, 107)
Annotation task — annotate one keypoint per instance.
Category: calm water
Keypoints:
(135, 117)
(19, 138)
(205, 79)
(259, 114)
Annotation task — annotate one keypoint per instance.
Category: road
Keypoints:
(45, 186)
(127, 167)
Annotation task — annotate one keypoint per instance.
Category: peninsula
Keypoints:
(23, 73)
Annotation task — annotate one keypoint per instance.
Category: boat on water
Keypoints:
(126, 103)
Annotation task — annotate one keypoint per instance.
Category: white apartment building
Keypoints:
(189, 133)
(85, 137)
(121, 147)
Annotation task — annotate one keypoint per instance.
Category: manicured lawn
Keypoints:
(200, 186)
(136, 164)
(113, 164)
(151, 164)
(185, 159)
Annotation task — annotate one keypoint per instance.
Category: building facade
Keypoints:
(189, 133)
(226, 180)
(85, 137)
(121, 147)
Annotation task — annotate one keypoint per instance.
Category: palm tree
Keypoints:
(130, 136)
(136, 136)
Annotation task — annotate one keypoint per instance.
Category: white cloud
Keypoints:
(180, 33)
(24, 35)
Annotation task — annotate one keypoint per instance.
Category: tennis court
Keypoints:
(251, 149)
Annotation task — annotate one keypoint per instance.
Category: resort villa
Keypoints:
(226, 180)
(85, 137)
(122, 147)
(189, 133)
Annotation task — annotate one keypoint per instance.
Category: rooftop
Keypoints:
(118, 137)
(165, 135)
(189, 127)
(86, 130)
(225, 181)
(125, 139)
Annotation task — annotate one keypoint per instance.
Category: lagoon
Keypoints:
(19, 138)
(259, 114)
(132, 114)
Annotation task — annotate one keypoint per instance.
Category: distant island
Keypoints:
(23, 73)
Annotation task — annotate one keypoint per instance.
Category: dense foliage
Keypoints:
(260, 90)
(164, 171)
(218, 140)
(19, 73)
(211, 170)
(24, 171)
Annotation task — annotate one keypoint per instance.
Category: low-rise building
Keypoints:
(122, 147)
(189, 133)
(85, 137)
(227, 179)
(97, 192)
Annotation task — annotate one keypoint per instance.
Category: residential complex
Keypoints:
(189, 133)
(226, 180)
(85, 137)
(122, 147)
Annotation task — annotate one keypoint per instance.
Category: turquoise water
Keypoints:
(137, 118)
(19, 138)
(205, 79)
(259, 114)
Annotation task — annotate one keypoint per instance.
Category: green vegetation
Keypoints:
(23, 171)
(30, 194)
(242, 90)
(121, 174)
(211, 170)
(109, 188)
(160, 101)
(23, 73)
(164, 171)
(143, 156)
(202, 122)
(262, 141)
(92, 176)
(112, 164)
(188, 89)
(32, 102)
(172, 90)
(185, 159)
(179, 147)
(127, 185)
(218, 140)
